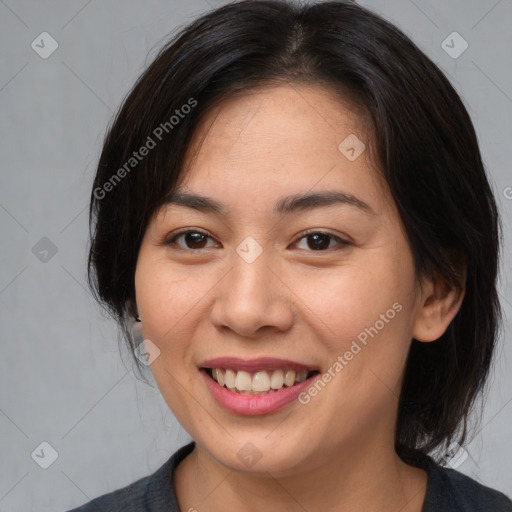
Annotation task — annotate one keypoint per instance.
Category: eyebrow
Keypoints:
(286, 205)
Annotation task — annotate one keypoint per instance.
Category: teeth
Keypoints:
(261, 383)
(289, 378)
(229, 379)
(243, 381)
(277, 379)
(301, 376)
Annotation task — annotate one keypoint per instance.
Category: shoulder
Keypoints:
(449, 490)
(153, 493)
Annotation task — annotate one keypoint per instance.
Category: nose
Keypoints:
(252, 299)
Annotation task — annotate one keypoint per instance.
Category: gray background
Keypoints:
(62, 379)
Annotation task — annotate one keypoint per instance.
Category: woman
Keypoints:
(292, 205)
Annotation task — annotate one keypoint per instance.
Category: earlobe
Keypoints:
(440, 301)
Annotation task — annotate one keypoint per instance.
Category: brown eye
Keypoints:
(320, 241)
(190, 240)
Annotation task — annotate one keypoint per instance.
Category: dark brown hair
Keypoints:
(423, 141)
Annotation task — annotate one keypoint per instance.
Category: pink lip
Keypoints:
(254, 365)
(253, 405)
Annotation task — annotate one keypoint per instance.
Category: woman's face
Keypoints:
(268, 283)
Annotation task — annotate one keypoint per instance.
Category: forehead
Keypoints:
(280, 140)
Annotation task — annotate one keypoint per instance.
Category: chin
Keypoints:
(258, 454)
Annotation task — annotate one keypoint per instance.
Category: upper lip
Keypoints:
(252, 365)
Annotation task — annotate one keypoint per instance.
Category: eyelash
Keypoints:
(173, 240)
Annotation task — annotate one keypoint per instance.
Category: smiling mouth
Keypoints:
(262, 382)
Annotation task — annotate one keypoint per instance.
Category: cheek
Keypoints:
(353, 296)
(362, 313)
(166, 301)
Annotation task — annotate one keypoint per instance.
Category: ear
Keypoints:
(438, 303)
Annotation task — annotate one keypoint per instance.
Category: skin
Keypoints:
(292, 302)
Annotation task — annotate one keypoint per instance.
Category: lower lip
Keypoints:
(253, 405)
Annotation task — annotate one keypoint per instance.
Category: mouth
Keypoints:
(256, 387)
(260, 382)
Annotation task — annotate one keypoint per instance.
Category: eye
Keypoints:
(315, 240)
(191, 239)
(320, 240)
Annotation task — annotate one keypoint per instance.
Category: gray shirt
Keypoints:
(447, 491)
